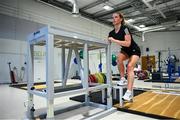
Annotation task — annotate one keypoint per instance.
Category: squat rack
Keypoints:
(51, 37)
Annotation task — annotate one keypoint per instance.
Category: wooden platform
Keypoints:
(167, 105)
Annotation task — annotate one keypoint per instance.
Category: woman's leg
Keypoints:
(120, 59)
(130, 70)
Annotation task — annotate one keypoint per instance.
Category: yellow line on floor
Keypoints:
(177, 115)
(167, 107)
(157, 102)
(152, 98)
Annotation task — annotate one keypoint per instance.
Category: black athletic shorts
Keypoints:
(130, 52)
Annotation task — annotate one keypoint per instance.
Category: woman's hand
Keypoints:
(110, 39)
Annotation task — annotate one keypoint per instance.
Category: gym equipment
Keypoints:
(121, 89)
(97, 78)
(76, 76)
(159, 61)
(92, 79)
(100, 61)
(170, 57)
(16, 75)
(156, 76)
(11, 74)
(96, 96)
(114, 63)
(81, 54)
(100, 67)
(115, 77)
(148, 63)
(22, 72)
(143, 74)
(37, 85)
(104, 77)
(114, 57)
(101, 78)
(171, 66)
(75, 60)
(19, 75)
(63, 39)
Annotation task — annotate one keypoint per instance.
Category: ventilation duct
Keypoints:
(75, 8)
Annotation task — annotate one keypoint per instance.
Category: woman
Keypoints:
(129, 50)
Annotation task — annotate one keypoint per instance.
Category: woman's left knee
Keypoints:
(130, 67)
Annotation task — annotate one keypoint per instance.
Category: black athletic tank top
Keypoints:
(120, 35)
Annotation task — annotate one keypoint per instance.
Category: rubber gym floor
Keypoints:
(14, 104)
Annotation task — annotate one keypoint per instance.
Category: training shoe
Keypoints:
(122, 82)
(128, 96)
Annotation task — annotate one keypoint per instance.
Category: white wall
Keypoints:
(10, 51)
(14, 51)
(41, 13)
(18, 18)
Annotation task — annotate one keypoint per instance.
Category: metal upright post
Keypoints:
(120, 96)
(109, 82)
(30, 79)
(67, 67)
(62, 63)
(169, 70)
(49, 75)
(86, 72)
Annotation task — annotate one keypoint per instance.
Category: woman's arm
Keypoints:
(125, 43)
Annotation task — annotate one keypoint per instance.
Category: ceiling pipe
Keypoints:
(162, 14)
(75, 9)
(154, 7)
(132, 26)
(151, 30)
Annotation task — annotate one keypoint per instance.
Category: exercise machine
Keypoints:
(11, 72)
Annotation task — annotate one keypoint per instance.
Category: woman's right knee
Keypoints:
(121, 58)
(120, 62)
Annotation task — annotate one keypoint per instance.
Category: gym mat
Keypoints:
(154, 105)
(38, 85)
(164, 80)
(97, 97)
(56, 88)
(67, 88)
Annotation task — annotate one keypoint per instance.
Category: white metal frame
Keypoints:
(54, 37)
(120, 88)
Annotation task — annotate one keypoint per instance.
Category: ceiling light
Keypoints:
(178, 23)
(130, 20)
(75, 37)
(107, 7)
(142, 26)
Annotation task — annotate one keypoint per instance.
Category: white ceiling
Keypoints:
(137, 10)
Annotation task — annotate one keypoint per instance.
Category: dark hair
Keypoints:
(121, 16)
